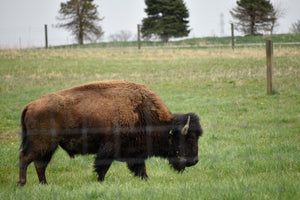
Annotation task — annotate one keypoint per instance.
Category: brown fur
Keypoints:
(116, 120)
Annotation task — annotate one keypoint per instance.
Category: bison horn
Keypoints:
(186, 127)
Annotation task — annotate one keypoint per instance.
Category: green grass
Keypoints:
(250, 149)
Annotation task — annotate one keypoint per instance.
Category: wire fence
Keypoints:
(34, 37)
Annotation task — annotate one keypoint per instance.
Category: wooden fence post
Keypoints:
(139, 36)
(269, 53)
(46, 36)
(232, 36)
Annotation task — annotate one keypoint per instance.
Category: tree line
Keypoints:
(168, 19)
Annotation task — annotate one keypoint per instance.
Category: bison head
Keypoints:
(183, 141)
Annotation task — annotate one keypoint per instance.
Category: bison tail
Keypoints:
(24, 130)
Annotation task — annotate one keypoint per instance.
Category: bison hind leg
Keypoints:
(41, 165)
(30, 154)
(24, 160)
(138, 168)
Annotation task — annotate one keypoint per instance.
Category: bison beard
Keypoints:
(115, 120)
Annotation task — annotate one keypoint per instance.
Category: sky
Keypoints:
(22, 21)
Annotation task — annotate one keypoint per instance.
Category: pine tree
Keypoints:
(253, 16)
(166, 19)
(81, 18)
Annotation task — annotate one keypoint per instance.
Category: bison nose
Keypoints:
(196, 160)
(192, 162)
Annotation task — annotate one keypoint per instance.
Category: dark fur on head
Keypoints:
(184, 148)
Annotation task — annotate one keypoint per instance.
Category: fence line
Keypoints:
(217, 45)
(34, 36)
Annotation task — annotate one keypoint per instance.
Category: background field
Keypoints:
(250, 149)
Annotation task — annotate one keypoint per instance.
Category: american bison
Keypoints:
(116, 120)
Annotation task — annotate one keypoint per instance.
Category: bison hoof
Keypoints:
(43, 183)
(20, 184)
(100, 179)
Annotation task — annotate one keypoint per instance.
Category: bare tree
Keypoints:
(121, 36)
(254, 16)
(295, 27)
(278, 12)
(81, 18)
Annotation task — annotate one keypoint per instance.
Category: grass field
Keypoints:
(250, 148)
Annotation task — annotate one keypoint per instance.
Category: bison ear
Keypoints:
(185, 129)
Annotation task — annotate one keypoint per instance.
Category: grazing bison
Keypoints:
(116, 120)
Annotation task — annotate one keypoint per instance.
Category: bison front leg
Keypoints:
(138, 168)
(101, 167)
